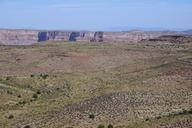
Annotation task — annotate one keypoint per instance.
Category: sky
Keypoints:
(96, 14)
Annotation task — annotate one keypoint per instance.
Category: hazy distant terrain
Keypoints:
(57, 84)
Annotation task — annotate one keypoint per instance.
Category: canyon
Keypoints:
(27, 37)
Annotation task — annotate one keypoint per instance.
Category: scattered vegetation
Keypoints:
(21, 103)
(107, 79)
(44, 76)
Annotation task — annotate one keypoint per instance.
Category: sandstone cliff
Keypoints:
(18, 37)
(27, 37)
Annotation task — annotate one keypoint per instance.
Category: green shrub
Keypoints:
(10, 116)
(92, 116)
(101, 126)
(32, 75)
(190, 111)
(184, 112)
(8, 78)
(27, 126)
(35, 96)
(110, 126)
(22, 102)
(44, 76)
(38, 92)
(9, 92)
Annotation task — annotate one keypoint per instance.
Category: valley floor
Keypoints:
(84, 85)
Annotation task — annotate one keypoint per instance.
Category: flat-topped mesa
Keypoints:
(27, 37)
(132, 36)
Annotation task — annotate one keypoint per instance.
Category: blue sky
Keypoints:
(95, 14)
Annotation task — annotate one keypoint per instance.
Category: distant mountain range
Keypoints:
(126, 28)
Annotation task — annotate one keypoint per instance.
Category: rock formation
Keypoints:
(172, 39)
(18, 37)
(27, 37)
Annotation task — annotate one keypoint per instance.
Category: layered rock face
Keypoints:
(54, 35)
(132, 36)
(136, 36)
(27, 37)
(18, 37)
(70, 36)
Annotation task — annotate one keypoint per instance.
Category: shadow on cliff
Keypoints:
(73, 36)
(42, 36)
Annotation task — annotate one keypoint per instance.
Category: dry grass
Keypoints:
(128, 85)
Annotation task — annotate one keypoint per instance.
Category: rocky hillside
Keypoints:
(27, 37)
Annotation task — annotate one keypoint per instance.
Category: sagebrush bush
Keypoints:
(110, 126)
(32, 75)
(22, 102)
(9, 92)
(35, 96)
(10, 116)
(92, 116)
(27, 126)
(44, 76)
(101, 126)
(38, 92)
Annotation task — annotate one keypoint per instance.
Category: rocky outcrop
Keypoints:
(179, 39)
(54, 35)
(27, 37)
